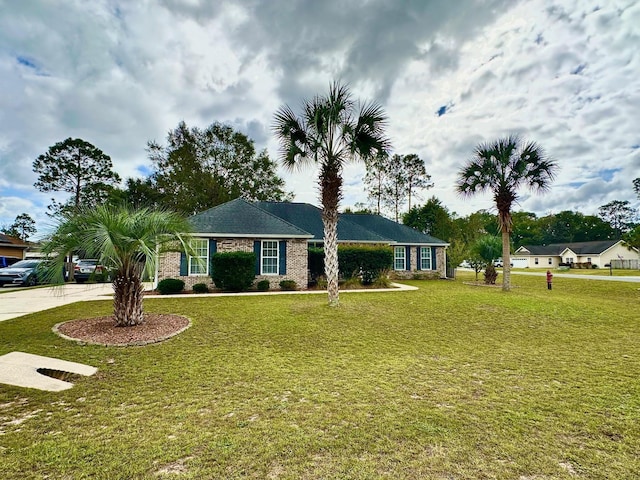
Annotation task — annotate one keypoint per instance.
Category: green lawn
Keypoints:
(449, 382)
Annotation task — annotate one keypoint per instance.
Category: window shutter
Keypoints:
(257, 245)
(282, 268)
(407, 257)
(419, 264)
(184, 267)
(433, 258)
(213, 248)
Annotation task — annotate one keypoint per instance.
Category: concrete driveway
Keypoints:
(15, 302)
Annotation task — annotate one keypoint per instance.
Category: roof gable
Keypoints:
(241, 218)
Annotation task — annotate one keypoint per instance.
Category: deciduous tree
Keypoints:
(199, 169)
(431, 218)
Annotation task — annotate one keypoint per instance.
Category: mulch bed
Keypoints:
(102, 330)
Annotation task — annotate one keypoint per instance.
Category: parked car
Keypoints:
(24, 272)
(90, 269)
(500, 264)
(8, 261)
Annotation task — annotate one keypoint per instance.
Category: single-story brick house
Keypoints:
(598, 253)
(279, 233)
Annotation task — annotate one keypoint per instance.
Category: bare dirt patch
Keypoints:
(102, 330)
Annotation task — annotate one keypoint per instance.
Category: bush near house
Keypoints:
(200, 288)
(233, 271)
(316, 263)
(364, 261)
(169, 286)
(263, 285)
(288, 285)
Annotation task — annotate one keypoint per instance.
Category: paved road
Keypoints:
(584, 277)
(17, 302)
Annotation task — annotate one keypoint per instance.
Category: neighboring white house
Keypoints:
(598, 253)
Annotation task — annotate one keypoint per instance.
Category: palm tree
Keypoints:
(502, 167)
(123, 239)
(331, 131)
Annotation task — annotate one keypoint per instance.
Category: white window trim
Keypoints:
(262, 257)
(397, 257)
(205, 258)
(423, 258)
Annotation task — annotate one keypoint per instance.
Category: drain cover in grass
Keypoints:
(44, 373)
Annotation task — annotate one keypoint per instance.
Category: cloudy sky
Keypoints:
(450, 74)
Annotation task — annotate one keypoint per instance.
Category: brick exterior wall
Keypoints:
(297, 263)
(439, 272)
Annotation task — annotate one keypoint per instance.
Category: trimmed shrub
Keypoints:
(233, 271)
(363, 261)
(170, 286)
(321, 282)
(288, 285)
(263, 285)
(490, 274)
(383, 281)
(200, 288)
(316, 263)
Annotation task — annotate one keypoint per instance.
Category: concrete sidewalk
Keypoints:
(19, 302)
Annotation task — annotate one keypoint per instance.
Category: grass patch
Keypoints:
(450, 381)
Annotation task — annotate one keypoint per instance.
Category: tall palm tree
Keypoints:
(331, 131)
(502, 167)
(124, 239)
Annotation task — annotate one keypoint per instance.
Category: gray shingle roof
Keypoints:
(580, 248)
(288, 219)
(308, 218)
(241, 218)
(392, 230)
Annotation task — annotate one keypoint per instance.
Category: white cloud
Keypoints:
(117, 74)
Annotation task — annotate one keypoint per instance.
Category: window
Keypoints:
(536, 261)
(199, 262)
(399, 258)
(550, 261)
(425, 258)
(269, 256)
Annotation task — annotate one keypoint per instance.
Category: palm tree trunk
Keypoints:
(127, 298)
(330, 190)
(330, 223)
(506, 260)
